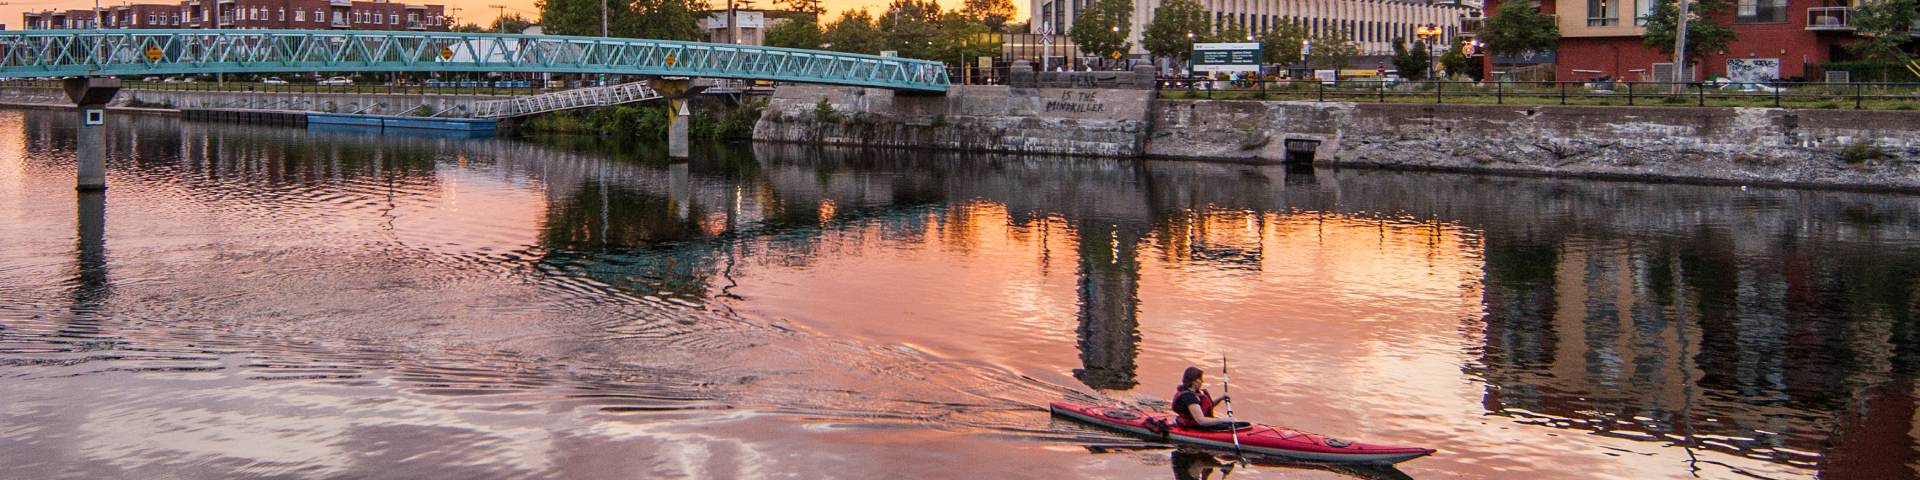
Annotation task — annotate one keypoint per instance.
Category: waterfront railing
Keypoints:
(1811, 95)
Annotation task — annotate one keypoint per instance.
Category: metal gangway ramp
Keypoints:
(565, 100)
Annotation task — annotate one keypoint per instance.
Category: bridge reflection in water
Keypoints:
(1771, 326)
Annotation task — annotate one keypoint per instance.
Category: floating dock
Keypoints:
(415, 123)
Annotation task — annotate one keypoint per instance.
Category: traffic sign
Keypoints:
(154, 54)
(670, 59)
(446, 53)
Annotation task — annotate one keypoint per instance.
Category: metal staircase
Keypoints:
(565, 100)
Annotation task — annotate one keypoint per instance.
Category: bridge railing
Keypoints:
(60, 53)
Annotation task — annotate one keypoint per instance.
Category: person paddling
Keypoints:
(1195, 405)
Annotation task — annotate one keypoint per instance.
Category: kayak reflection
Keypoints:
(1192, 463)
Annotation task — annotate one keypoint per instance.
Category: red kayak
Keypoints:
(1262, 439)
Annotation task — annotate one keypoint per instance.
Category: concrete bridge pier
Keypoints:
(678, 113)
(90, 95)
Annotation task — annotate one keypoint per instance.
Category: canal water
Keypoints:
(268, 302)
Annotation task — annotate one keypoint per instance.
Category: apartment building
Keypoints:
(1373, 23)
(1775, 39)
(279, 14)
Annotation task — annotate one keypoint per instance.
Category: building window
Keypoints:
(1643, 9)
(393, 18)
(299, 15)
(1761, 11)
(1603, 13)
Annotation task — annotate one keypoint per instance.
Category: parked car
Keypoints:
(178, 80)
(1747, 87)
(337, 81)
(150, 79)
(273, 81)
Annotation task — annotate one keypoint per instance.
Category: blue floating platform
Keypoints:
(414, 123)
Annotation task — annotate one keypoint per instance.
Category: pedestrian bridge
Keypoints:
(78, 53)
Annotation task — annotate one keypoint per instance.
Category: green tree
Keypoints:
(1456, 62)
(1103, 28)
(1281, 43)
(1332, 51)
(911, 27)
(1884, 27)
(994, 14)
(1230, 31)
(963, 38)
(1517, 27)
(1413, 62)
(666, 19)
(1705, 34)
(655, 19)
(853, 32)
(1174, 28)
(798, 32)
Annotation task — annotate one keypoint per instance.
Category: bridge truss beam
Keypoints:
(74, 53)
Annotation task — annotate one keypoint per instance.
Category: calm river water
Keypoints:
(269, 302)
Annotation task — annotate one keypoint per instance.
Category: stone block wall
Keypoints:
(1759, 145)
(1064, 121)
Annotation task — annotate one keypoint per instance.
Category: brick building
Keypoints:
(1775, 39)
(279, 14)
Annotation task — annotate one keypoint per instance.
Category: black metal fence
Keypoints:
(1861, 95)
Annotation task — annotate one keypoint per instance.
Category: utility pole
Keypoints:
(500, 21)
(733, 24)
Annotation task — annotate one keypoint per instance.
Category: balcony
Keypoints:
(341, 23)
(1830, 19)
(1471, 25)
(416, 25)
(226, 20)
(340, 3)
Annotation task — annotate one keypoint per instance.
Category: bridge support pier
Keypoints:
(677, 120)
(679, 113)
(90, 96)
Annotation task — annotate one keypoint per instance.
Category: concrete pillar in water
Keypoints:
(90, 96)
(678, 113)
(677, 119)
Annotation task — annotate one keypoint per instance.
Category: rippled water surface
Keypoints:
(269, 302)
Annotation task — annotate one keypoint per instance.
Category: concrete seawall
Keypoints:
(1742, 145)
(1065, 121)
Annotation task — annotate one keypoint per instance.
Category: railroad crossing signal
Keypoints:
(154, 54)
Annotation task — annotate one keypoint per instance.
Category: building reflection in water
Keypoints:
(1706, 318)
(1109, 289)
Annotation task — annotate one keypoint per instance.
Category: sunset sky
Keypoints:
(470, 11)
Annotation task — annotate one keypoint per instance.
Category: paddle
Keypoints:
(1226, 391)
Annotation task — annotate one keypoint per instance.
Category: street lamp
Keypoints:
(1431, 34)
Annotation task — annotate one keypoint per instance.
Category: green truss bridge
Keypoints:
(103, 53)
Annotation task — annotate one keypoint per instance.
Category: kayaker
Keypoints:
(1195, 405)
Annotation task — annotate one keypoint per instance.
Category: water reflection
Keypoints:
(1698, 329)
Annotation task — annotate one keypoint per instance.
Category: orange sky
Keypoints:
(471, 11)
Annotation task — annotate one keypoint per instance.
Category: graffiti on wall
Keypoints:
(1753, 70)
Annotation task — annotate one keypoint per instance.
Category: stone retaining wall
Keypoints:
(1843, 148)
(1758, 145)
(1066, 121)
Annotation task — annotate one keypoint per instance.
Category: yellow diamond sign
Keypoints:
(446, 53)
(154, 54)
(670, 59)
